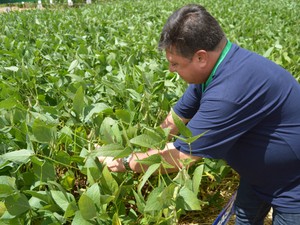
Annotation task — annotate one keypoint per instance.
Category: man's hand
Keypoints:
(169, 123)
(170, 154)
(113, 165)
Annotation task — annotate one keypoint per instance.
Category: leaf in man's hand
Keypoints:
(181, 126)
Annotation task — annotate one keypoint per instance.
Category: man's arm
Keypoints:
(170, 154)
(169, 123)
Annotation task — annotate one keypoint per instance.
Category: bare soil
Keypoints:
(210, 212)
(6, 9)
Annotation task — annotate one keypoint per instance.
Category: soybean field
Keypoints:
(76, 77)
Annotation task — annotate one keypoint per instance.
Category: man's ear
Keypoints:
(201, 56)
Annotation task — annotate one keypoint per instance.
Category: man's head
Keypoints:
(189, 29)
(193, 40)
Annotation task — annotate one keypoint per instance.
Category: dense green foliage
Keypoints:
(77, 77)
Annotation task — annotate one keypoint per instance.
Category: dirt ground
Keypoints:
(210, 212)
(6, 9)
(207, 217)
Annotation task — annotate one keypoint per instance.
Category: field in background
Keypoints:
(73, 77)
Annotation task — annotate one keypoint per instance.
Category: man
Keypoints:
(250, 108)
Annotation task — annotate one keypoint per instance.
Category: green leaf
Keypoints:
(94, 193)
(154, 202)
(65, 134)
(123, 115)
(17, 204)
(182, 178)
(2, 210)
(286, 57)
(43, 132)
(156, 158)
(78, 101)
(71, 209)
(87, 207)
(116, 220)
(194, 138)
(68, 180)
(7, 186)
(43, 169)
(190, 139)
(73, 65)
(134, 95)
(150, 160)
(105, 199)
(126, 152)
(19, 156)
(107, 130)
(158, 136)
(60, 199)
(12, 68)
(79, 220)
(5, 190)
(148, 173)
(97, 108)
(63, 157)
(197, 177)
(140, 202)
(109, 182)
(183, 130)
(168, 194)
(43, 196)
(111, 150)
(145, 140)
(9, 103)
(268, 52)
(92, 170)
(188, 199)
(168, 83)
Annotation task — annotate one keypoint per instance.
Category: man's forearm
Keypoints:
(170, 154)
(169, 123)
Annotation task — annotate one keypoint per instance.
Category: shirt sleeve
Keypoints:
(224, 123)
(188, 105)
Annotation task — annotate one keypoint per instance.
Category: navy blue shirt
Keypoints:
(251, 111)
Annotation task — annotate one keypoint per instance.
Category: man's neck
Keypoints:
(215, 54)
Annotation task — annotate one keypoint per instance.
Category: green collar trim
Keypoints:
(221, 58)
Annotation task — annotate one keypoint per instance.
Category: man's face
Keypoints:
(193, 70)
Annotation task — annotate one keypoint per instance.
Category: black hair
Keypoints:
(189, 29)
